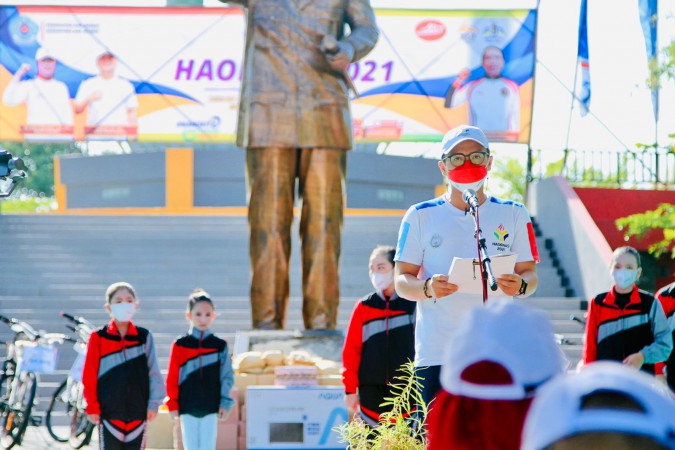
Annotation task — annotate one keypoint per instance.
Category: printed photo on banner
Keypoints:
(79, 73)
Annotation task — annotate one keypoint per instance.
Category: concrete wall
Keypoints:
(113, 181)
(219, 178)
(583, 250)
(139, 180)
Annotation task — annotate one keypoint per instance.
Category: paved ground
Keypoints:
(37, 438)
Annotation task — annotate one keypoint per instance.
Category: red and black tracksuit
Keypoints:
(380, 338)
(122, 382)
(200, 374)
(614, 332)
(666, 297)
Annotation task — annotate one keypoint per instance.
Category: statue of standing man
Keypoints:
(295, 123)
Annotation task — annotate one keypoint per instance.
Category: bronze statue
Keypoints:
(295, 123)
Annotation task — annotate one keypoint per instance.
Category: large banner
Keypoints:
(173, 74)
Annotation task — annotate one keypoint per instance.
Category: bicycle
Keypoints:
(68, 399)
(29, 353)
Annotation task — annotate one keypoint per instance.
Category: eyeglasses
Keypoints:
(458, 159)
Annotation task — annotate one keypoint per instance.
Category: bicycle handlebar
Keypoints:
(68, 316)
(577, 319)
(77, 319)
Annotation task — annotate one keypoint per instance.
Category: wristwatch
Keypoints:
(523, 287)
(425, 288)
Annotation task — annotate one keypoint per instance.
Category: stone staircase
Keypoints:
(56, 263)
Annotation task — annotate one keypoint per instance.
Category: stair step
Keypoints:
(65, 263)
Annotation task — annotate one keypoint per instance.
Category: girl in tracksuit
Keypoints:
(380, 338)
(123, 386)
(200, 377)
(627, 324)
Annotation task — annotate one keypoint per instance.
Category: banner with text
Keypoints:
(174, 74)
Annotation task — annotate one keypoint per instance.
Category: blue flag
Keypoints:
(649, 21)
(583, 88)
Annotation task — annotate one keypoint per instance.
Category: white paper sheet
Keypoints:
(465, 272)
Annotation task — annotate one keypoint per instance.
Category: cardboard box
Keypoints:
(330, 380)
(234, 412)
(296, 376)
(242, 381)
(266, 379)
(227, 436)
(294, 417)
(160, 431)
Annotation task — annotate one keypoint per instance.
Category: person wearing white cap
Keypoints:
(110, 100)
(493, 100)
(49, 113)
(605, 406)
(494, 364)
(432, 233)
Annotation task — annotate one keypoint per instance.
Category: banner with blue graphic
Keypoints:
(174, 74)
(583, 88)
(649, 22)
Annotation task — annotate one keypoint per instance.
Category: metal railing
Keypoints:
(626, 169)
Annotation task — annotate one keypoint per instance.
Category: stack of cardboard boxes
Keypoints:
(252, 368)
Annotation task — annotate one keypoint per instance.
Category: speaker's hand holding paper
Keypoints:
(466, 272)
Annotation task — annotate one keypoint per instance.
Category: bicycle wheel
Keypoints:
(6, 377)
(80, 430)
(16, 416)
(59, 412)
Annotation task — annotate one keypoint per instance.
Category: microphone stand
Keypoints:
(487, 277)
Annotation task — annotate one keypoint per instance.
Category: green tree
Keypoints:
(508, 176)
(661, 218)
(39, 159)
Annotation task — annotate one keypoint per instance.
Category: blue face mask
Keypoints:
(624, 278)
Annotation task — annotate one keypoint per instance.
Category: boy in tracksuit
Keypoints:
(200, 377)
(123, 386)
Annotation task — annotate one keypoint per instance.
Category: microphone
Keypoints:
(469, 196)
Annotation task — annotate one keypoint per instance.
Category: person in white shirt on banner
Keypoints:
(111, 102)
(493, 100)
(49, 111)
(432, 233)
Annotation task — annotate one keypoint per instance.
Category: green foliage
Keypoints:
(663, 68)
(661, 218)
(555, 168)
(397, 431)
(39, 159)
(508, 174)
(24, 203)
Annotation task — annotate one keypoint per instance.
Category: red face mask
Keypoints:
(467, 173)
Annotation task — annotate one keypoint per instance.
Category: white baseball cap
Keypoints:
(558, 410)
(103, 53)
(44, 52)
(460, 134)
(517, 338)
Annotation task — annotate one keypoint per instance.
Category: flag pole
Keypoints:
(569, 118)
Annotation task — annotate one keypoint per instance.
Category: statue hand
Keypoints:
(341, 59)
